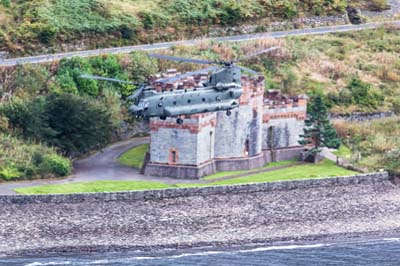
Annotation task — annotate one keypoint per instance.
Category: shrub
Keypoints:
(60, 166)
(396, 106)
(9, 173)
(25, 160)
(363, 94)
(6, 3)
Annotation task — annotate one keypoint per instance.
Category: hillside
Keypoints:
(39, 26)
(42, 104)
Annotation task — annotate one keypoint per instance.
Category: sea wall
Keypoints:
(362, 179)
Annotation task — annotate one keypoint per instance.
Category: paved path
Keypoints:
(166, 45)
(100, 166)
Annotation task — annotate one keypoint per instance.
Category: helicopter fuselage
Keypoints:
(221, 97)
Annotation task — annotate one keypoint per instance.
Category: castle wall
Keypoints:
(282, 127)
(240, 135)
(187, 144)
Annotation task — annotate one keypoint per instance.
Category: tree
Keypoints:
(81, 124)
(318, 130)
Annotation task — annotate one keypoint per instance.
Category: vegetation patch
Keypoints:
(36, 24)
(91, 187)
(374, 145)
(21, 160)
(231, 173)
(134, 157)
(325, 168)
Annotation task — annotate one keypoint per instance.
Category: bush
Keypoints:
(6, 3)
(26, 160)
(363, 94)
(9, 173)
(72, 123)
(392, 160)
(60, 166)
(396, 106)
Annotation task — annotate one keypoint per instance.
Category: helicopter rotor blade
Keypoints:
(136, 93)
(248, 70)
(182, 59)
(259, 53)
(107, 79)
(188, 74)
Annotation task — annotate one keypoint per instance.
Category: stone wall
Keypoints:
(304, 22)
(362, 179)
(191, 142)
(240, 135)
(283, 125)
(358, 117)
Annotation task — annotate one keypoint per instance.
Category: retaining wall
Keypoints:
(362, 179)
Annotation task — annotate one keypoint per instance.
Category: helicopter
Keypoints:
(220, 93)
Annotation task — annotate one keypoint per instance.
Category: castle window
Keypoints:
(173, 156)
(247, 147)
(270, 137)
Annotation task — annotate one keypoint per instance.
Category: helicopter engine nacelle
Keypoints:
(225, 86)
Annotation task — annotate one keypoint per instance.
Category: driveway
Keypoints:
(100, 166)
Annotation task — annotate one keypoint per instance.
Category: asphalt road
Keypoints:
(166, 45)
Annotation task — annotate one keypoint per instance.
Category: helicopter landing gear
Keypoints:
(179, 121)
(228, 112)
(163, 117)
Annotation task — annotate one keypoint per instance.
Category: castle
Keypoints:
(265, 128)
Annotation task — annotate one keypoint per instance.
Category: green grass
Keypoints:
(97, 186)
(343, 152)
(321, 170)
(231, 173)
(134, 157)
(324, 169)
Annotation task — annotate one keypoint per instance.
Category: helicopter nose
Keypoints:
(136, 110)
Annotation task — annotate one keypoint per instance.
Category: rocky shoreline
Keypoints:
(303, 214)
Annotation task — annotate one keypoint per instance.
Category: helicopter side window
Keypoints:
(204, 100)
(174, 102)
(189, 101)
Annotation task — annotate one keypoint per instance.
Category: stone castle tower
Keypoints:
(264, 128)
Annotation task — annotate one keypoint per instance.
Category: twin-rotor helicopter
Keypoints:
(220, 93)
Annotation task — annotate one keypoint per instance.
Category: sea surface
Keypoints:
(384, 251)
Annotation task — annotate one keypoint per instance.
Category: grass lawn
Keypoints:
(323, 169)
(269, 165)
(97, 186)
(134, 157)
(343, 152)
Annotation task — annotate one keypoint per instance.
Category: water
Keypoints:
(364, 253)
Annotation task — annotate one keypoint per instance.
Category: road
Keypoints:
(101, 166)
(149, 47)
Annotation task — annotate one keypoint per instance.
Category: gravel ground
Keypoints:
(301, 214)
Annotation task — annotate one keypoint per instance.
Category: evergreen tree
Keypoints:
(318, 130)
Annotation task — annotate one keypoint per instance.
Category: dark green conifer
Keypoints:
(318, 130)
